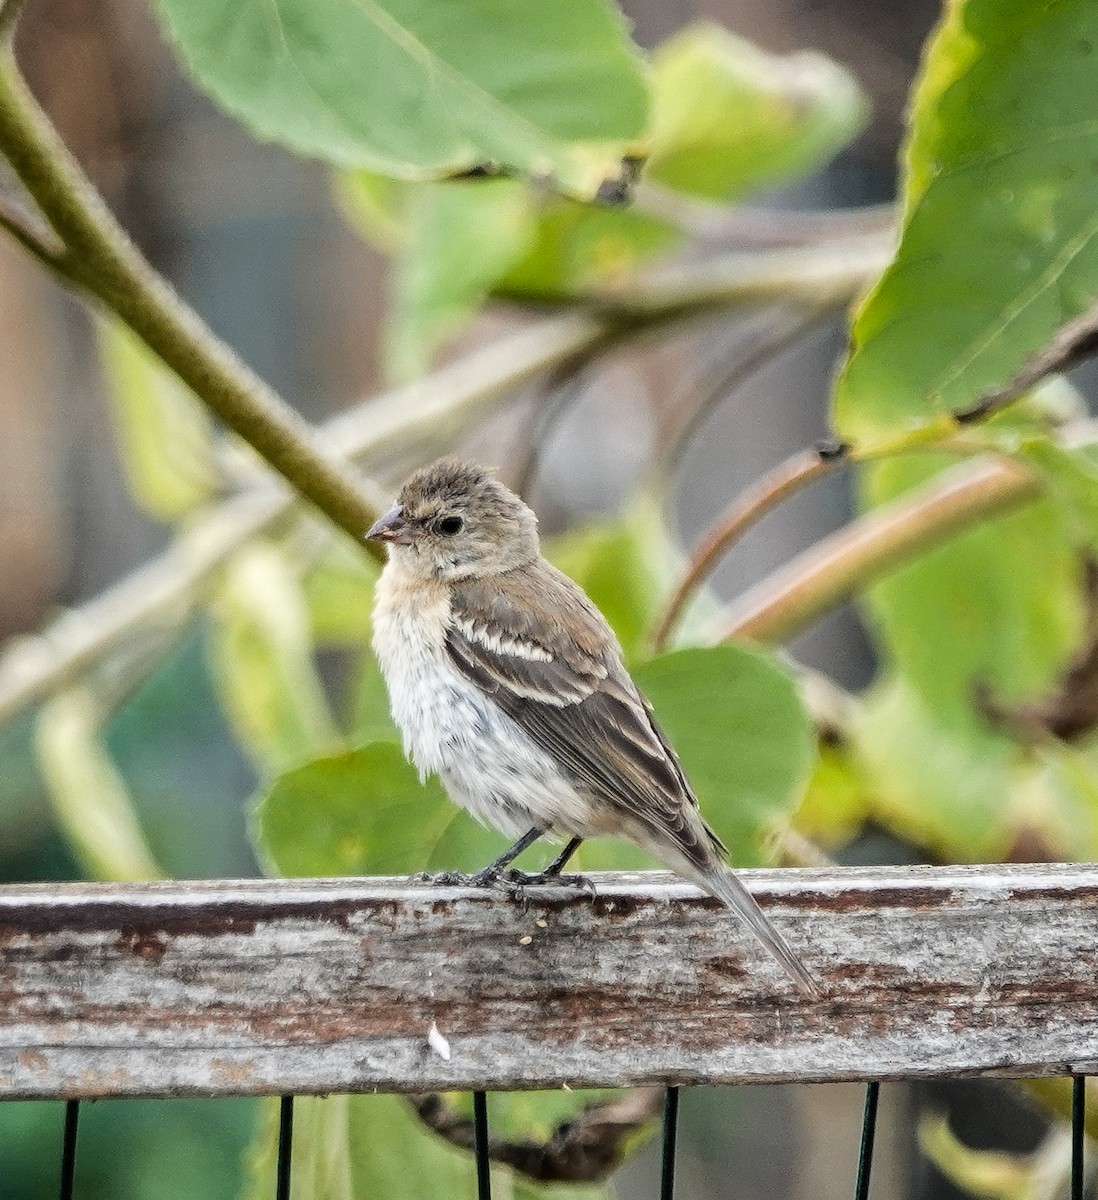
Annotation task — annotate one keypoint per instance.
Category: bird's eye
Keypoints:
(450, 525)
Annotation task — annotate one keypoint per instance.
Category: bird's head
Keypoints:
(452, 520)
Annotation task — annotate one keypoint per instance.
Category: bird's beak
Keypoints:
(392, 527)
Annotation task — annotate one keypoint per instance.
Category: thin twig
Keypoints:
(758, 227)
(32, 235)
(102, 261)
(583, 1149)
(556, 398)
(781, 326)
(828, 273)
(834, 569)
(790, 476)
(1072, 344)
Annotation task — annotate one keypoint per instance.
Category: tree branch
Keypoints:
(33, 236)
(758, 227)
(746, 510)
(1072, 344)
(101, 260)
(832, 571)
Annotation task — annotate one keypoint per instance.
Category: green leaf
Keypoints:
(999, 607)
(837, 801)
(339, 594)
(165, 434)
(361, 812)
(1000, 240)
(429, 89)
(1072, 475)
(89, 796)
(461, 238)
(357, 1148)
(938, 782)
(263, 661)
(745, 740)
(729, 118)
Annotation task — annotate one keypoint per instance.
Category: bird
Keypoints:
(506, 681)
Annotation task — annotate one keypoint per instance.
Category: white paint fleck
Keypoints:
(438, 1043)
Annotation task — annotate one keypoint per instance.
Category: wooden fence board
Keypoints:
(253, 987)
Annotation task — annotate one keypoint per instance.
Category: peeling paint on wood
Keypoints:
(266, 986)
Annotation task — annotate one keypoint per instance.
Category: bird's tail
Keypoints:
(720, 881)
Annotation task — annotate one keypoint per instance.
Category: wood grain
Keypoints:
(251, 987)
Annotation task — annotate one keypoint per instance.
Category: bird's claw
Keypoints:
(511, 881)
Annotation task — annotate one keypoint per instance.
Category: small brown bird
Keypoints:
(507, 682)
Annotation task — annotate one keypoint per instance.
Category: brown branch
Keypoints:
(1072, 344)
(101, 261)
(789, 477)
(584, 1149)
(836, 568)
(758, 227)
(32, 235)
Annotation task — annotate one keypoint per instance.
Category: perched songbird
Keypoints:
(507, 683)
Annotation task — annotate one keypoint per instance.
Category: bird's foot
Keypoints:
(488, 877)
(524, 879)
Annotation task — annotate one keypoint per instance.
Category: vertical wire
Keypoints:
(869, 1132)
(285, 1147)
(670, 1138)
(68, 1149)
(1078, 1129)
(480, 1146)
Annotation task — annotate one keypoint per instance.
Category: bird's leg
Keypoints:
(552, 873)
(490, 874)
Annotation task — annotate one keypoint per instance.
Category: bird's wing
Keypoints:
(533, 641)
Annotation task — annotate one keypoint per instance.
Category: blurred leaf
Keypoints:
(462, 237)
(263, 664)
(729, 118)
(358, 1148)
(339, 594)
(361, 812)
(1072, 475)
(165, 434)
(577, 248)
(371, 720)
(941, 782)
(427, 90)
(999, 607)
(89, 796)
(990, 1173)
(626, 566)
(838, 799)
(1000, 241)
(375, 206)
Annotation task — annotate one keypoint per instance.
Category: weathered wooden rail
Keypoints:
(252, 987)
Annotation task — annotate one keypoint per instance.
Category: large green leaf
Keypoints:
(999, 607)
(262, 656)
(1000, 241)
(165, 434)
(969, 792)
(360, 812)
(728, 118)
(426, 88)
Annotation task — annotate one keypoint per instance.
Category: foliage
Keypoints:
(469, 142)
